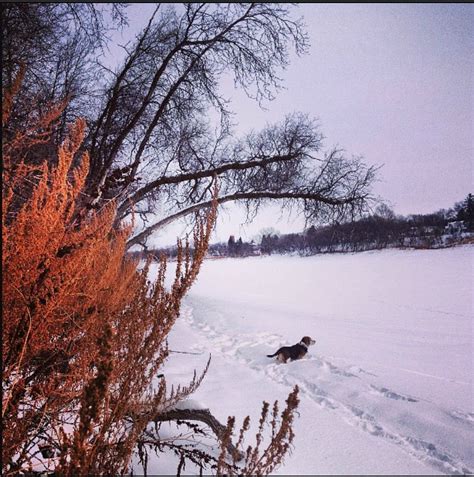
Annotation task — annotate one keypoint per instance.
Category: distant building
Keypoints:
(456, 227)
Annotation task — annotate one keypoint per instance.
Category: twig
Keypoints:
(185, 352)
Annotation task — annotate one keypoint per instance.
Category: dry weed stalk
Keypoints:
(256, 460)
(84, 331)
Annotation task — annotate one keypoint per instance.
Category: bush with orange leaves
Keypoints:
(84, 331)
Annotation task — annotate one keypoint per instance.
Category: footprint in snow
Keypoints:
(466, 417)
(390, 394)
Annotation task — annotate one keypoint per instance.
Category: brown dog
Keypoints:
(296, 351)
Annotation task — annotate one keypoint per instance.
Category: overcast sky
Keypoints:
(391, 82)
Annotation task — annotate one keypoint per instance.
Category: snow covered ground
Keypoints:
(386, 389)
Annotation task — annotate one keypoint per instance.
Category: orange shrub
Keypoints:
(84, 331)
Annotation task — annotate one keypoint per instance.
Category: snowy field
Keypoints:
(386, 389)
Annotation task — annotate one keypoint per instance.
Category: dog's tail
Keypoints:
(272, 355)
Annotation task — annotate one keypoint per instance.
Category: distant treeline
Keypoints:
(383, 229)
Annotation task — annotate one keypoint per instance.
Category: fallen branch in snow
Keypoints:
(202, 415)
(256, 460)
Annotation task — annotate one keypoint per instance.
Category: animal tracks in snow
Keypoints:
(352, 393)
(391, 395)
(465, 417)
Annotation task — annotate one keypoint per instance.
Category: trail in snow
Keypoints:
(387, 388)
(349, 393)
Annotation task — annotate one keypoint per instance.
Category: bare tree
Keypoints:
(150, 139)
(152, 144)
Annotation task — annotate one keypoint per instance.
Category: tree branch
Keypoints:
(141, 193)
(111, 104)
(201, 415)
(142, 236)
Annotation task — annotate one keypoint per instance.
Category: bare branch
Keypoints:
(308, 196)
(201, 415)
(235, 166)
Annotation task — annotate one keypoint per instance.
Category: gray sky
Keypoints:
(391, 82)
